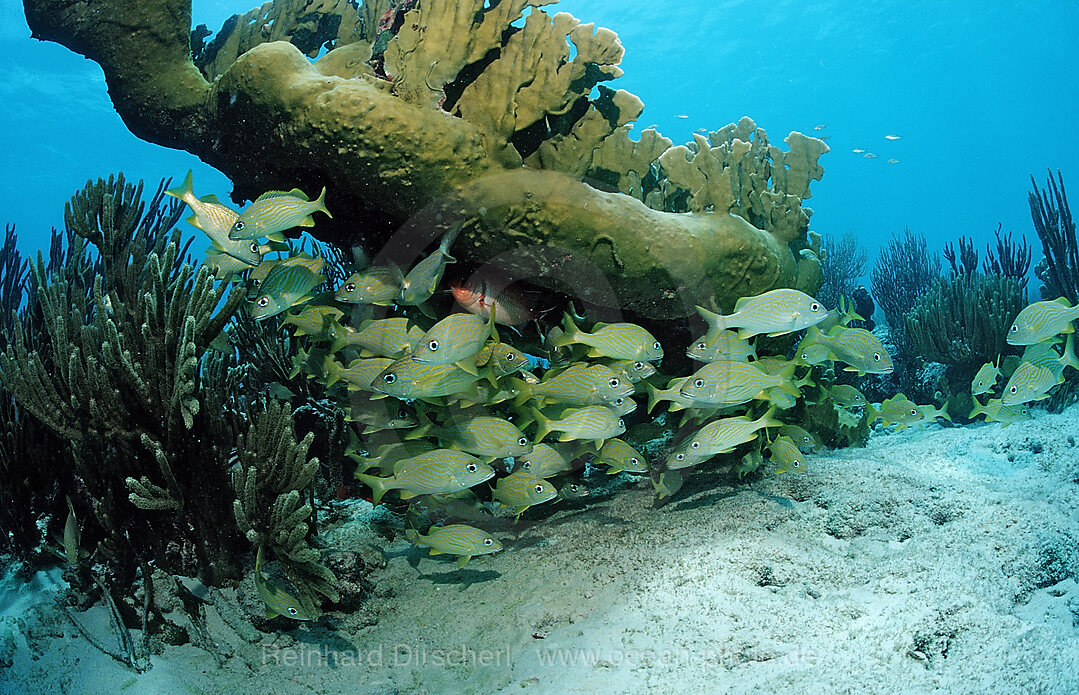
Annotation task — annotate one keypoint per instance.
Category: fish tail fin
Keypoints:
(570, 332)
(654, 397)
(944, 411)
(423, 428)
(543, 425)
(379, 486)
(331, 370)
(1069, 352)
(768, 419)
(872, 413)
(716, 322)
(813, 337)
(524, 391)
(320, 204)
(786, 381)
(184, 191)
(412, 535)
(448, 238)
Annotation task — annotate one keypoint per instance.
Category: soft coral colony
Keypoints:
(203, 410)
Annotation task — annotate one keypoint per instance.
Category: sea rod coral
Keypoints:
(425, 115)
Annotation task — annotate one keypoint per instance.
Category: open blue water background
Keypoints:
(982, 94)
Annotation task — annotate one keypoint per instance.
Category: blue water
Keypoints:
(973, 88)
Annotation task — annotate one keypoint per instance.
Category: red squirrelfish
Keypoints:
(479, 297)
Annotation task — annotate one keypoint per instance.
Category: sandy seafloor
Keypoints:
(942, 560)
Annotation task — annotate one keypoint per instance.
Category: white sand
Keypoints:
(932, 561)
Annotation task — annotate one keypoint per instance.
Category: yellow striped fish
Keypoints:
(619, 456)
(592, 422)
(620, 341)
(484, 435)
(986, 378)
(668, 484)
(456, 539)
(672, 393)
(846, 396)
(223, 264)
(730, 382)
(857, 347)
(359, 373)
(378, 415)
(375, 285)
(633, 371)
(578, 384)
(407, 378)
(722, 436)
(573, 491)
(431, 473)
(995, 411)
(1042, 369)
(805, 441)
(522, 490)
(543, 461)
(318, 321)
(500, 359)
(455, 340)
(812, 354)
(215, 220)
(284, 287)
(277, 600)
(721, 345)
(1042, 321)
(776, 312)
(623, 405)
(383, 337)
(931, 413)
(896, 410)
(784, 452)
(750, 462)
(258, 275)
(274, 212)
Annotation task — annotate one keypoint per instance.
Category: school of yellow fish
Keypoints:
(451, 414)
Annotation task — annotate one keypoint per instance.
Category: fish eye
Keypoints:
(805, 439)
(805, 355)
(680, 457)
(402, 413)
(696, 445)
(263, 301)
(1025, 411)
(573, 487)
(238, 225)
(796, 463)
(614, 383)
(539, 488)
(510, 357)
(350, 287)
(1014, 389)
(913, 411)
(620, 423)
(471, 468)
(390, 378)
(640, 365)
(656, 346)
(255, 246)
(634, 460)
(814, 307)
(701, 346)
(488, 542)
(1014, 328)
(619, 401)
(699, 383)
(523, 441)
(876, 356)
(292, 611)
(433, 345)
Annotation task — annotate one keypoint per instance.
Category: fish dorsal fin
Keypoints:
(741, 303)
(294, 193)
(1063, 301)
(211, 198)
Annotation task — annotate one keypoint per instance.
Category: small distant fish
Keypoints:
(1042, 368)
(632, 371)
(825, 138)
(456, 539)
(858, 150)
(701, 130)
(985, 379)
(812, 353)
(893, 161)
(500, 359)
(681, 115)
(622, 405)
(846, 396)
(315, 320)
(721, 345)
(431, 473)
(870, 155)
(380, 414)
(276, 211)
(421, 282)
(896, 410)
(543, 461)
(483, 435)
(592, 422)
(787, 456)
(1042, 321)
(776, 313)
(619, 456)
(822, 126)
(995, 411)
(804, 440)
(213, 218)
(750, 462)
(277, 600)
(522, 490)
(376, 285)
(359, 373)
(481, 297)
(893, 137)
(668, 484)
(285, 286)
(455, 340)
(572, 492)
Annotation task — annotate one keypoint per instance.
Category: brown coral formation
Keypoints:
(457, 110)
